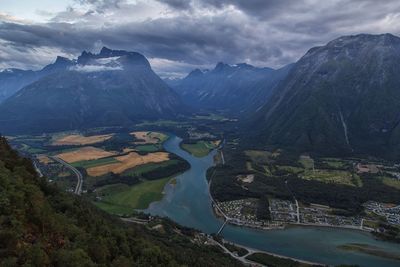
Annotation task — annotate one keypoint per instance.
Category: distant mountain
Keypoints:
(12, 80)
(110, 88)
(234, 88)
(344, 96)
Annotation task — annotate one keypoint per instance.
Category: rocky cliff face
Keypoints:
(344, 96)
(109, 88)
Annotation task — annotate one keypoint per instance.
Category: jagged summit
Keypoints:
(122, 56)
(113, 87)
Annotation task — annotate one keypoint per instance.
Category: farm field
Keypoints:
(148, 148)
(123, 199)
(306, 161)
(159, 123)
(390, 182)
(78, 139)
(44, 159)
(259, 156)
(333, 176)
(200, 148)
(84, 153)
(126, 162)
(145, 137)
(336, 163)
(93, 163)
(31, 149)
(149, 167)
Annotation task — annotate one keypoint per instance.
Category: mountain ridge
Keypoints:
(237, 89)
(341, 95)
(111, 88)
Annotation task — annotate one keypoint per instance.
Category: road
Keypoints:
(222, 157)
(251, 251)
(295, 200)
(242, 259)
(37, 169)
(78, 188)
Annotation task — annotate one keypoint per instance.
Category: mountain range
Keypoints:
(342, 97)
(106, 89)
(12, 80)
(237, 89)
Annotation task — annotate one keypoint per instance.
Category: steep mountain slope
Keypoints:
(344, 96)
(236, 89)
(12, 80)
(110, 88)
(41, 225)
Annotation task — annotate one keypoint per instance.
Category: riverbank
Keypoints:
(189, 203)
(348, 227)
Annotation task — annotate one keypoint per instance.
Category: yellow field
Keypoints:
(84, 153)
(216, 143)
(128, 161)
(44, 159)
(77, 139)
(127, 149)
(149, 137)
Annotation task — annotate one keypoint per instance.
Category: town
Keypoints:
(284, 212)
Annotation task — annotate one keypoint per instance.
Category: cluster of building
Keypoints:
(243, 212)
(390, 212)
(283, 210)
(194, 134)
(321, 215)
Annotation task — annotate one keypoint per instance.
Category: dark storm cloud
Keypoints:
(178, 4)
(102, 4)
(200, 33)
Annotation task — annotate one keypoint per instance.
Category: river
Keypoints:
(188, 203)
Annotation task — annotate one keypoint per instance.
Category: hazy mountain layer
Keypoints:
(234, 88)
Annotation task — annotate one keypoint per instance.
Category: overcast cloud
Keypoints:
(180, 35)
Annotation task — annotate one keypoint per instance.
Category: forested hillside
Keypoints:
(43, 226)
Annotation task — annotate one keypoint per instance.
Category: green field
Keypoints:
(160, 136)
(333, 176)
(93, 163)
(123, 199)
(212, 116)
(306, 161)
(259, 156)
(159, 123)
(32, 150)
(149, 167)
(199, 149)
(393, 182)
(335, 163)
(290, 169)
(148, 148)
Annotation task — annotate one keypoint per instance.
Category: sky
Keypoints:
(178, 36)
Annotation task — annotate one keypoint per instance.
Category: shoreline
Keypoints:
(328, 226)
(252, 251)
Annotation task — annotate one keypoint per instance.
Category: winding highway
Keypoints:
(78, 188)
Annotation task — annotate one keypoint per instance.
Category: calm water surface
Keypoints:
(188, 203)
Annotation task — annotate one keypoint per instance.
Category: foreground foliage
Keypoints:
(43, 226)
